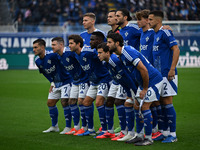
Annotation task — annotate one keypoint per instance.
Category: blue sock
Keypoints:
(53, 112)
(68, 116)
(160, 117)
(171, 117)
(122, 116)
(165, 120)
(75, 114)
(89, 113)
(83, 119)
(130, 117)
(139, 122)
(155, 116)
(102, 117)
(109, 117)
(147, 122)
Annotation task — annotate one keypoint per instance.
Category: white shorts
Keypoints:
(153, 93)
(101, 90)
(169, 88)
(61, 92)
(79, 91)
(117, 91)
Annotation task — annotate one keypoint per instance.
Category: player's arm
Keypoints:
(175, 58)
(145, 77)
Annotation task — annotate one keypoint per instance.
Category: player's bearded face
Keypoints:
(119, 18)
(111, 45)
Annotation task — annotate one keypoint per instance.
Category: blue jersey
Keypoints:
(71, 64)
(131, 34)
(120, 74)
(146, 44)
(91, 64)
(131, 57)
(86, 37)
(162, 53)
(51, 68)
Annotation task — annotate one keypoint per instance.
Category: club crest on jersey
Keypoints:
(126, 34)
(147, 39)
(84, 59)
(49, 61)
(67, 59)
(157, 39)
(41, 66)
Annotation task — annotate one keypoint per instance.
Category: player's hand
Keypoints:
(167, 27)
(51, 89)
(171, 74)
(143, 93)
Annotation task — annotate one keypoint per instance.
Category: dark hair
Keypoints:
(58, 39)
(112, 11)
(103, 46)
(157, 13)
(77, 39)
(99, 35)
(125, 12)
(116, 37)
(40, 42)
(142, 14)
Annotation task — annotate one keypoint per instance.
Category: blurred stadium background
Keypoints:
(23, 21)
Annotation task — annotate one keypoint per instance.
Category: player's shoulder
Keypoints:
(49, 52)
(129, 48)
(37, 58)
(166, 32)
(132, 25)
(151, 30)
(67, 49)
(104, 33)
(87, 49)
(113, 59)
(84, 32)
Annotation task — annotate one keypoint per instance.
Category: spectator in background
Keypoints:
(72, 11)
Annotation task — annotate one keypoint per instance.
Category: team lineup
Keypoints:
(132, 67)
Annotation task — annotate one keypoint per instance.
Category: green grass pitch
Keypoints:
(24, 115)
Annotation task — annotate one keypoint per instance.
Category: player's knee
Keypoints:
(110, 102)
(51, 103)
(87, 103)
(72, 101)
(80, 101)
(119, 102)
(127, 104)
(65, 102)
(136, 106)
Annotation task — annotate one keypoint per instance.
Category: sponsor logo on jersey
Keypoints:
(70, 67)
(86, 67)
(165, 93)
(48, 71)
